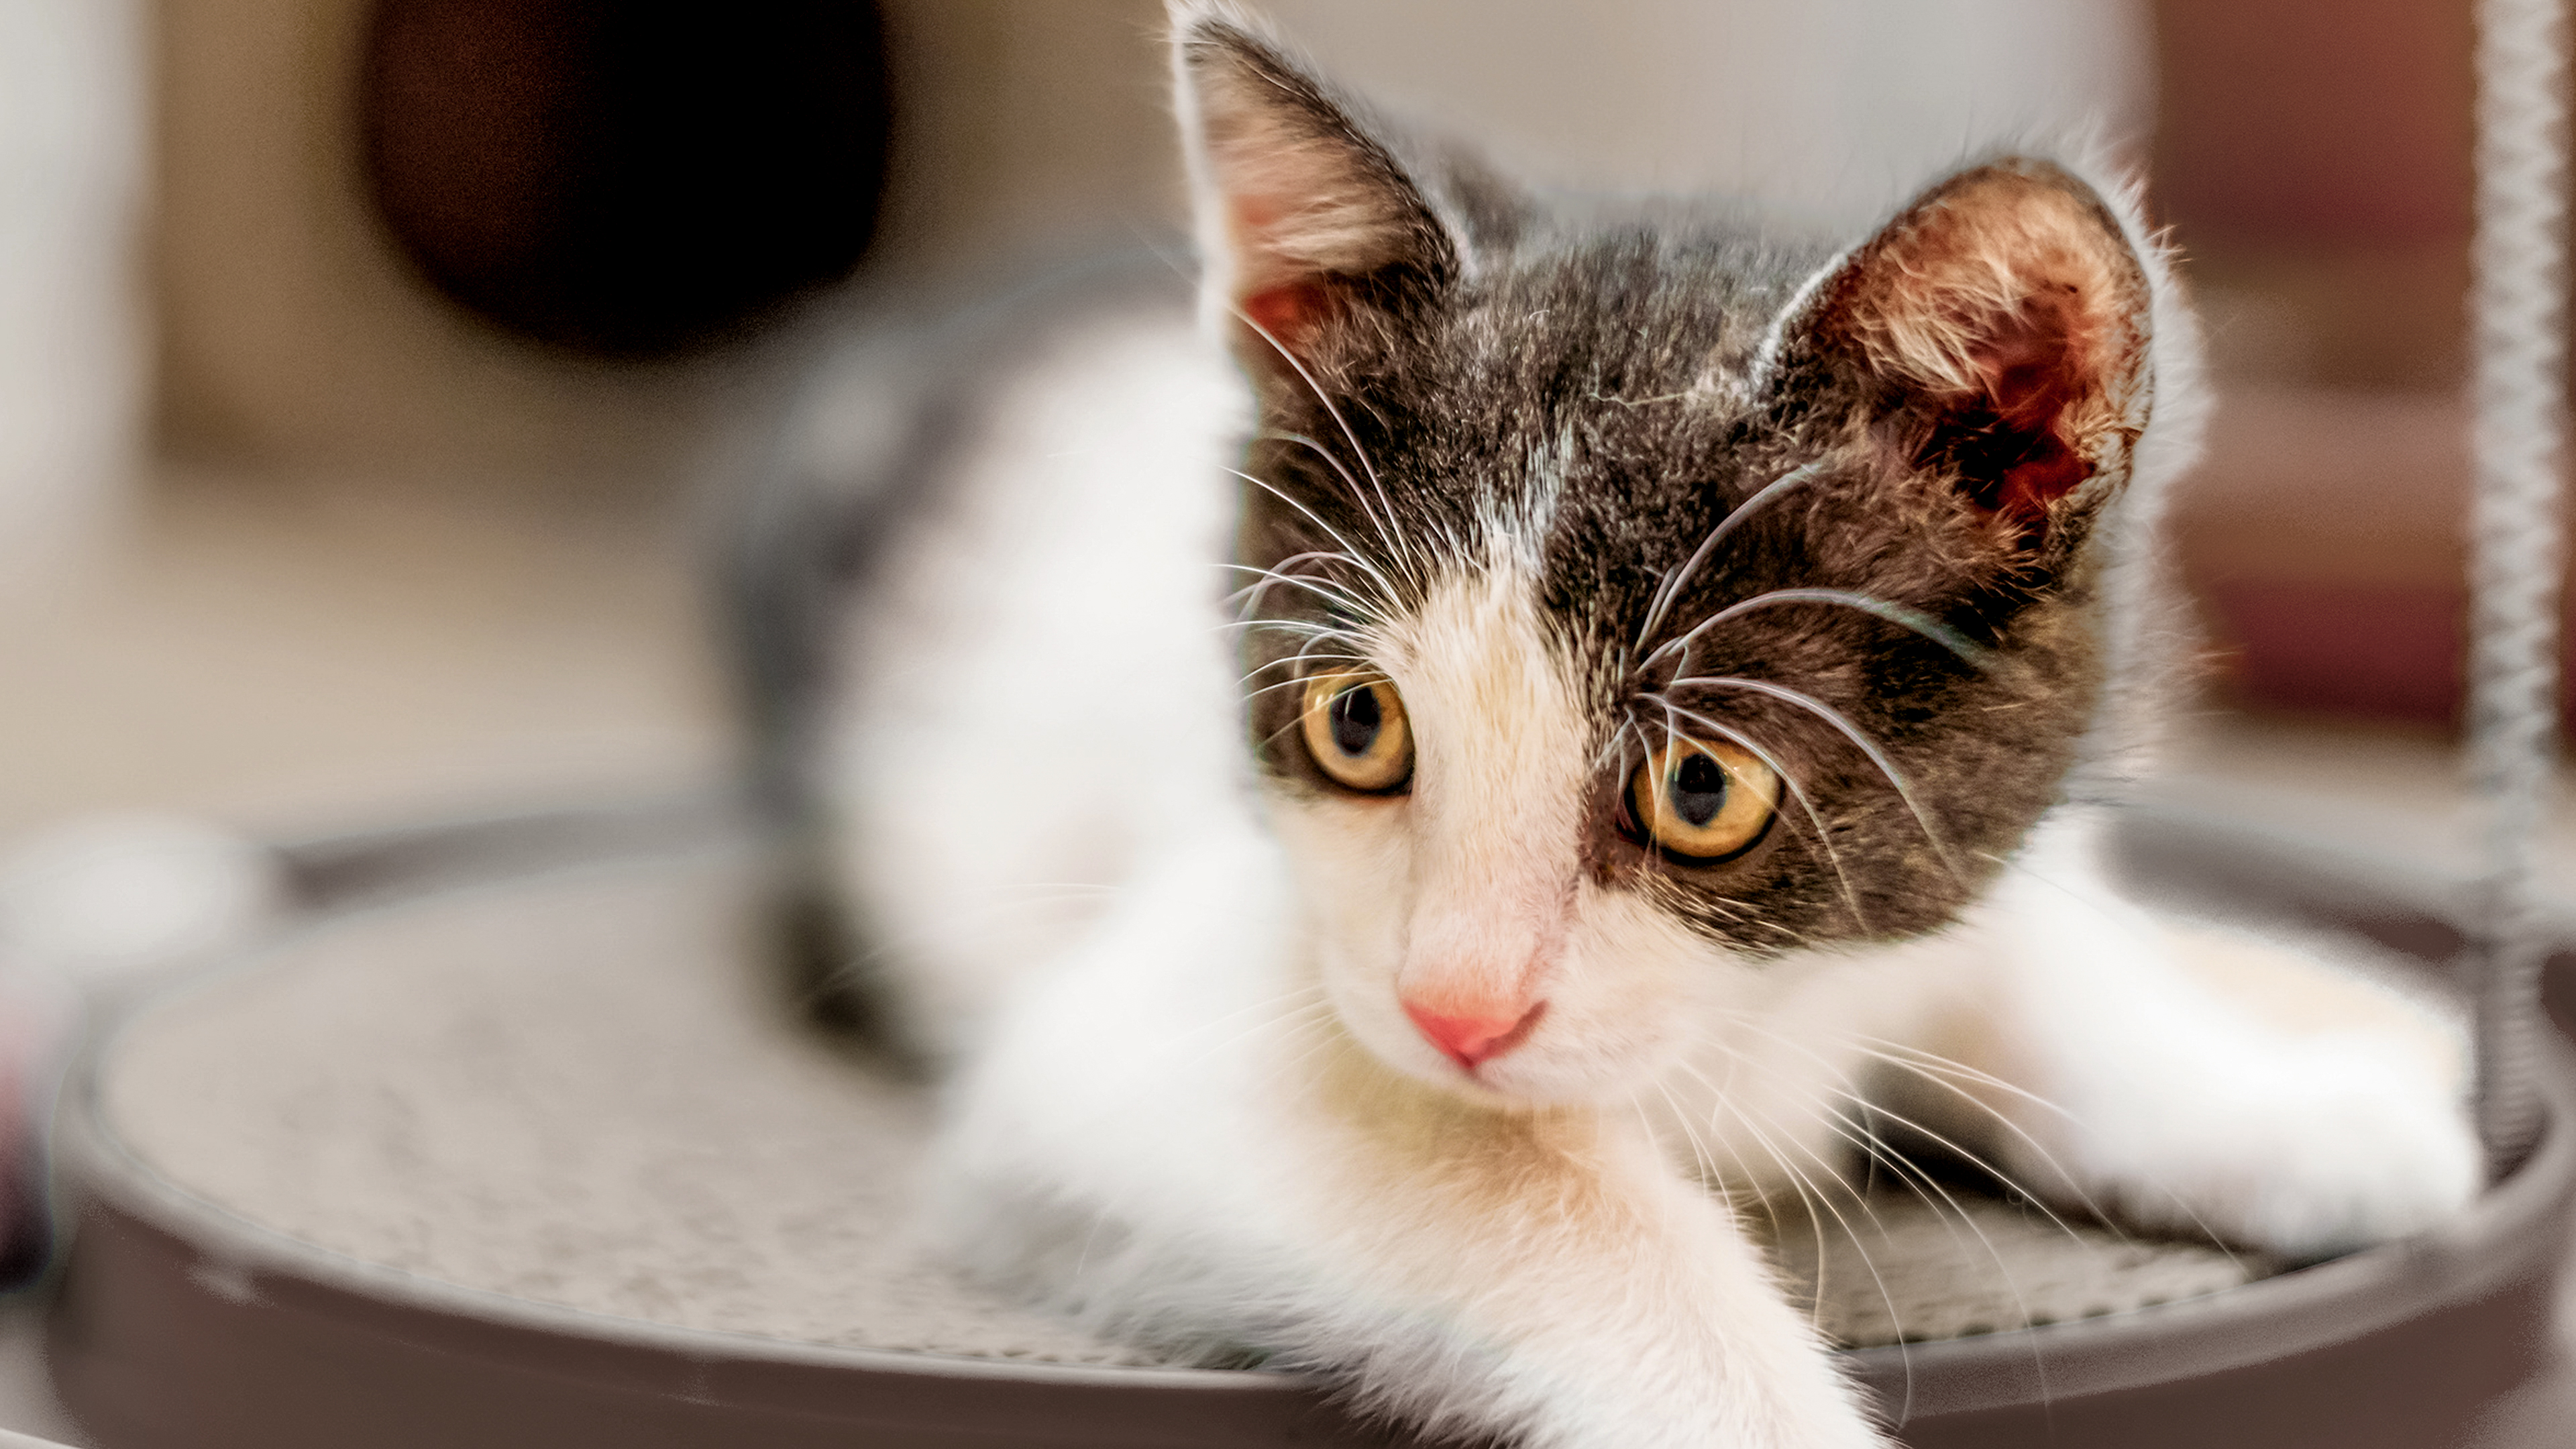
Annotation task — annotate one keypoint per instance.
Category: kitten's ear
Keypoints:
(1997, 332)
(1304, 221)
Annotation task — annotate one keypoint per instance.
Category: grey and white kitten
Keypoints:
(1651, 720)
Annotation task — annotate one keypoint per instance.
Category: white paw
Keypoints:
(2313, 1148)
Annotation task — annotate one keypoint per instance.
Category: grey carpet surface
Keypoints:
(583, 1089)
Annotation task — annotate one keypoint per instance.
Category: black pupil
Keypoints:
(1356, 720)
(1699, 790)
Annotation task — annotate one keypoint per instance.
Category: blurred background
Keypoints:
(373, 376)
(367, 370)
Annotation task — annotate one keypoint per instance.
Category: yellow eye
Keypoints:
(1704, 800)
(1355, 729)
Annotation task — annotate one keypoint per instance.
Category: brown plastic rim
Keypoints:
(178, 1324)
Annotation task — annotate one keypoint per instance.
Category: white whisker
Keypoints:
(1897, 614)
(1797, 792)
(1860, 740)
(1386, 525)
(1323, 589)
(1349, 550)
(1673, 583)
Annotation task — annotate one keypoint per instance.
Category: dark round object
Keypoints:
(629, 180)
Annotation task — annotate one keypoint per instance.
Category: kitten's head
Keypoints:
(1637, 599)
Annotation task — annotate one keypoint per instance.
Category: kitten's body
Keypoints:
(1197, 1111)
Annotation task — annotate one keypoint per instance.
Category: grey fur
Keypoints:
(1654, 367)
(1599, 356)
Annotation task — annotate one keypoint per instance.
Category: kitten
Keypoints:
(1671, 663)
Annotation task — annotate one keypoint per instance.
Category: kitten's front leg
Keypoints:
(1583, 1293)
(2191, 1079)
(1167, 1144)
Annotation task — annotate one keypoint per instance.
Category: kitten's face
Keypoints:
(1638, 602)
(1494, 921)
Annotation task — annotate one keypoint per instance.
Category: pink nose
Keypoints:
(1477, 1037)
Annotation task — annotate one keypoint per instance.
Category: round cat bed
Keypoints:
(515, 1139)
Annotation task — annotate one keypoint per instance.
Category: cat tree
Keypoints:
(488, 1151)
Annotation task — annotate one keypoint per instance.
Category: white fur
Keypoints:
(1168, 1139)
(1197, 1113)
(1041, 694)
(1206, 1122)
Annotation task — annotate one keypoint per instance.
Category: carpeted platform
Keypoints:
(583, 1089)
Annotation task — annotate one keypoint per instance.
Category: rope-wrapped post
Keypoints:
(2518, 334)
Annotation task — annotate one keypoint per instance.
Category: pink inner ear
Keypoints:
(2037, 366)
(1288, 312)
(1292, 299)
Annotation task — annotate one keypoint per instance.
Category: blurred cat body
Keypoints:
(1677, 665)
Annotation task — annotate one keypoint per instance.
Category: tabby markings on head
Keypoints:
(1594, 657)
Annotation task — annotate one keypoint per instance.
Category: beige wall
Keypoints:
(1039, 119)
(1024, 126)
(1831, 109)
(292, 335)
